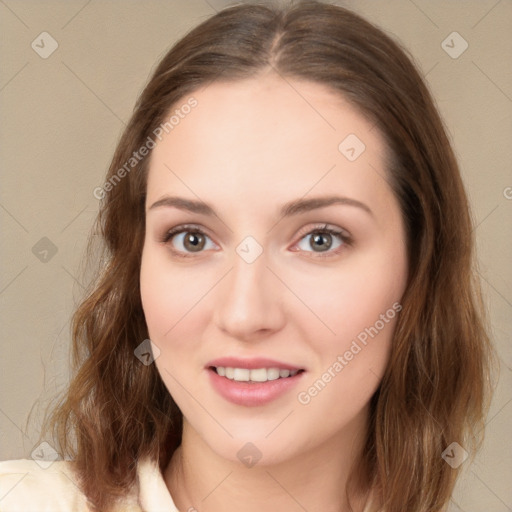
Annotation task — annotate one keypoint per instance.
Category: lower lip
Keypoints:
(252, 394)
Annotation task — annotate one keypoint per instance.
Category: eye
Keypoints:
(324, 240)
(188, 239)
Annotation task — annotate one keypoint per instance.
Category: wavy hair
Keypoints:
(437, 386)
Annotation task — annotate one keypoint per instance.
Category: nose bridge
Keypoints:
(248, 302)
(249, 277)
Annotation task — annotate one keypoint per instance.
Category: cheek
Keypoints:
(156, 295)
(168, 300)
(353, 297)
(352, 363)
(168, 295)
(360, 303)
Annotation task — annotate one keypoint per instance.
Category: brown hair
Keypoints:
(437, 385)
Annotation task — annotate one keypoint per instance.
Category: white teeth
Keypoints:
(259, 375)
(256, 375)
(273, 373)
(241, 374)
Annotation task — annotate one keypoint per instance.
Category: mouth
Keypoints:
(253, 382)
(254, 375)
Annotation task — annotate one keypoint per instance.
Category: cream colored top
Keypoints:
(25, 486)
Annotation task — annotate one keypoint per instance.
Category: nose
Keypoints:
(249, 301)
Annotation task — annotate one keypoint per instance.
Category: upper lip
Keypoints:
(252, 363)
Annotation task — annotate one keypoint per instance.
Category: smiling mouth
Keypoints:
(256, 375)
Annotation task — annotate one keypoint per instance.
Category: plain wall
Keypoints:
(62, 116)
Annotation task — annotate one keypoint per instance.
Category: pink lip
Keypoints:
(251, 394)
(251, 364)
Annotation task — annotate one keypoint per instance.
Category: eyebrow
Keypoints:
(295, 207)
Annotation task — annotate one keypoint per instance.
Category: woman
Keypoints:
(285, 220)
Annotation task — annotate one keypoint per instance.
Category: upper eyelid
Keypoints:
(321, 226)
(180, 228)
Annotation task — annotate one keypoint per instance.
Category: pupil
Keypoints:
(194, 242)
(322, 241)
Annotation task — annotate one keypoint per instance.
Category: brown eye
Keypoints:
(324, 241)
(185, 240)
(193, 242)
(320, 242)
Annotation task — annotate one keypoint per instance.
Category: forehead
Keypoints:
(268, 134)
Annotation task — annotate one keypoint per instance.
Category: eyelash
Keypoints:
(321, 228)
(325, 229)
(190, 228)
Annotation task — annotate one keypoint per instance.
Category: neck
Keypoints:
(200, 479)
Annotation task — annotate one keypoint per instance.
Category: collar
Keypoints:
(153, 493)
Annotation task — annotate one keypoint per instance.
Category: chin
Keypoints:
(252, 447)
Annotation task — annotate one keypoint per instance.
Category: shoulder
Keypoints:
(30, 486)
(27, 486)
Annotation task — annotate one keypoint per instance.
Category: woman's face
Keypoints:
(274, 245)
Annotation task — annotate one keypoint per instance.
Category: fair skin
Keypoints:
(247, 149)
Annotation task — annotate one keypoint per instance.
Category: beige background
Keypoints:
(62, 116)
